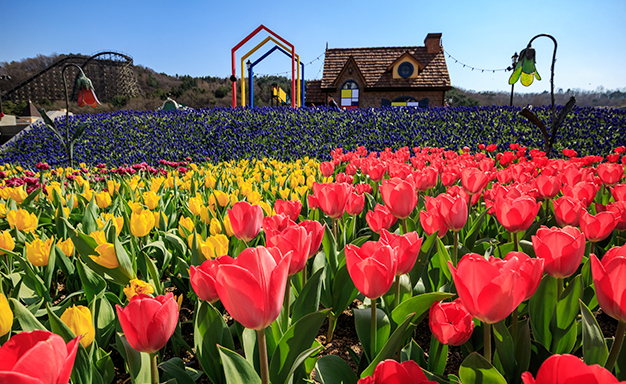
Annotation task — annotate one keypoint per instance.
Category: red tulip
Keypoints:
(294, 239)
(531, 270)
(562, 250)
(377, 171)
(332, 198)
(608, 279)
(203, 278)
(355, 204)
(452, 211)
(517, 214)
(473, 180)
(425, 179)
(569, 369)
(450, 322)
(430, 220)
(583, 191)
(288, 208)
(547, 186)
(567, 211)
(273, 225)
(399, 196)
(610, 173)
(148, 323)
(37, 357)
(312, 202)
(391, 372)
(406, 247)
(597, 227)
(490, 291)
(380, 218)
(87, 97)
(327, 168)
(316, 232)
(252, 287)
(246, 220)
(619, 192)
(371, 267)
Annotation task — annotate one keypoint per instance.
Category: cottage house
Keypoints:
(375, 77)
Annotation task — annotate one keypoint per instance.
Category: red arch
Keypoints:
(293, 63)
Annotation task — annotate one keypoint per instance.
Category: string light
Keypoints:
(482, 70)
(288, 72)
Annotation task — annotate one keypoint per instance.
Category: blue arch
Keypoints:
(257, 61)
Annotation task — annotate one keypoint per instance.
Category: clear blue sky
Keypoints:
(195, 37)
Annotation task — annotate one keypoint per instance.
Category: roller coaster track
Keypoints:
(110, 72)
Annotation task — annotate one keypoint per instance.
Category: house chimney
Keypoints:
(433, 42)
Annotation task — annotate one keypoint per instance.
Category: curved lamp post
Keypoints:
(526, 70)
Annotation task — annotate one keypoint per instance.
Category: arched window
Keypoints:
(404, 101)
(349, 95)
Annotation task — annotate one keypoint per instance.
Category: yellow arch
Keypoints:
(243, 70)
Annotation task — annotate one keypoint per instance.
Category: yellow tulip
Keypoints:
(112, 187)
(3, 210)
(4, 193)
(141, 223)
(284, 193)
(66, 246)
(135, 206)
(118, 222)
(151, 199)
(6, 316)
(72, 197)
(209, 182)
(136, 286)
(38, 251)
(99, 236)
(103, 199)
(187, 223)
(157, 219)
(196, 205)
(6, 241)
(216, 246)
(215, 228)
(228, 227)
(22, 220)
(87, 194)
(106, 256)
(78, 318)
(269, 211)
(254, 197)
(17, 193)
(221, 197)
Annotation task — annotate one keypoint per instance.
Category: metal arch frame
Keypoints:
(243, 73)
(129, 60)
(293, 63)
(266, 54)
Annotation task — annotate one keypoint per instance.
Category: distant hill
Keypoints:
(209, 91)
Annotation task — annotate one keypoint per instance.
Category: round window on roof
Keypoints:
(405, 69)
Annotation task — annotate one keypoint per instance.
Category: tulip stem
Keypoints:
(154, 369)
(487, 341)
(515, 242)
(304, 273)
(617, 346)
(373, 330)
(265, 370)
(332, 322)
(455, 248)
(514, 326)
(335, 229)
(404, 226)
(286, 304)
(397, 286)
(559, 288)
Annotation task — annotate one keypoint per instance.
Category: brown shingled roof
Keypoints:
(373, 64)
(313, 93)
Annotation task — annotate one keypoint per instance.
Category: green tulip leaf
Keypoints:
(28, 321)
(564, 329)
(236, 369)
(309, 298)
(210, 330)
(299, 337)
(104, 319)
(329, 245)
(93, 283)
(437, 357)
(123, 259)
(416, 272)
(90, 216)
(175, 368)
(392, 346)
(472, 234)
(595, 350)
(138, 362)
(443, 257)
(332, 369)
(522, 347)
(419, 305)
(362, 323)
(505, 349)
(301, 360)
(413, 351)
(541, 308)
(344, 292)
(476, 370)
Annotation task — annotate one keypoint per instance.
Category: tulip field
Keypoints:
(229, 246)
